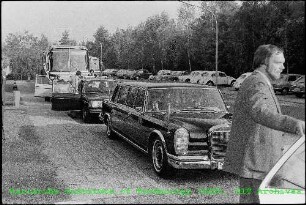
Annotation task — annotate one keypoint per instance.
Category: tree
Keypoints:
(24, 51)
(65, 39)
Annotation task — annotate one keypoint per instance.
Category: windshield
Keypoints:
(99, 86)
(61, 57)
(185, 99)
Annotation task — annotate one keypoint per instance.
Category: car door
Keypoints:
(137, 131)
(285, 182)
(222, 80)
(119, 110)
(43, 86)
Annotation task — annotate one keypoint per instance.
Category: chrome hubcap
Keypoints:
(157, 156)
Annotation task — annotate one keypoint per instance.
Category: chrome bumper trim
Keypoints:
(193, 162)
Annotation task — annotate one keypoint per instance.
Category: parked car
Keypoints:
(93, 92)
(129, 74)
(121, 73)
(197, 76)
(180, 125)
(109, 72)
(160, 75)
(282, 85)
(187, 78)
(141, 74)
(174, 75)
(285, 183)
(298, 87)
(239, 80)
(209, 78)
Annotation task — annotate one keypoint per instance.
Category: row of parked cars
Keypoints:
(127, 73)
(198, 76)
(288, 83)
(179, 126)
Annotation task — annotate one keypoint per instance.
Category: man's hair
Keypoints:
(264, 52)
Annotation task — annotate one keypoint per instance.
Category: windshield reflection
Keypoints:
(99, 86)
(196, 99)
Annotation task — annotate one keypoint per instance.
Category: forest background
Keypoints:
(185, 43)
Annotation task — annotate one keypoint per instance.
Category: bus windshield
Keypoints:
(67, 60)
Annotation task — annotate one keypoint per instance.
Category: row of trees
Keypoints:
(188, 43)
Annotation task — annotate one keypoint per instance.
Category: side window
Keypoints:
(131, 97)
(139, 101)
(123, 94)
(222, 75)
(116, 94)
(292, 78)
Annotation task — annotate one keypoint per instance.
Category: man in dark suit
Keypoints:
(258, 125)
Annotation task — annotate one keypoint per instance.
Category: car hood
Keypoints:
(198, 121)
(96, 96)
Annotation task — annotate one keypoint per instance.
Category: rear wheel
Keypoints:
(160, 160)
(299, 95)
(284, 91)
(210, 83)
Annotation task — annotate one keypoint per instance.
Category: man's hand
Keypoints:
(300, 129)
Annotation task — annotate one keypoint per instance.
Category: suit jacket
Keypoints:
(256, 137)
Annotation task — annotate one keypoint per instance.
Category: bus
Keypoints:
(60, 64)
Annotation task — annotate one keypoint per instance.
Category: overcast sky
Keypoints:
(81, 18)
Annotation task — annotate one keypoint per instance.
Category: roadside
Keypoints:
(24, 166)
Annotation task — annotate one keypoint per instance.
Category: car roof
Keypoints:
(166, 84)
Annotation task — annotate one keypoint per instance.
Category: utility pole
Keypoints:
(101, 57)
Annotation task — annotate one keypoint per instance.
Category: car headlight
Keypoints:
(95, 104)
(181, 140)
(220, 136)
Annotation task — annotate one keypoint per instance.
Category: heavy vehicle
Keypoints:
(60, 64)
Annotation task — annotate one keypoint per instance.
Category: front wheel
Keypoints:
(299, 95)
(160, 160)
(232, 83)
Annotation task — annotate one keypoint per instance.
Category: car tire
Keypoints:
(210, 83)
(109, 130)
(285, 91)
(85, 115)
(47, 99)
(187, 80)
(299, 95)
(160, 160)
(232, 83)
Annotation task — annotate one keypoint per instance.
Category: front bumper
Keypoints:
(194, 162)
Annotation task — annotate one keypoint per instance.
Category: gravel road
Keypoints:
(52, 152)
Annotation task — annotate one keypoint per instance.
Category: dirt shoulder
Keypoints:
(27, 173)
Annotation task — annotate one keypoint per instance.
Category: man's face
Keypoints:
(276, 65)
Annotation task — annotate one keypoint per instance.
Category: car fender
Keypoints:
(160, 135)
